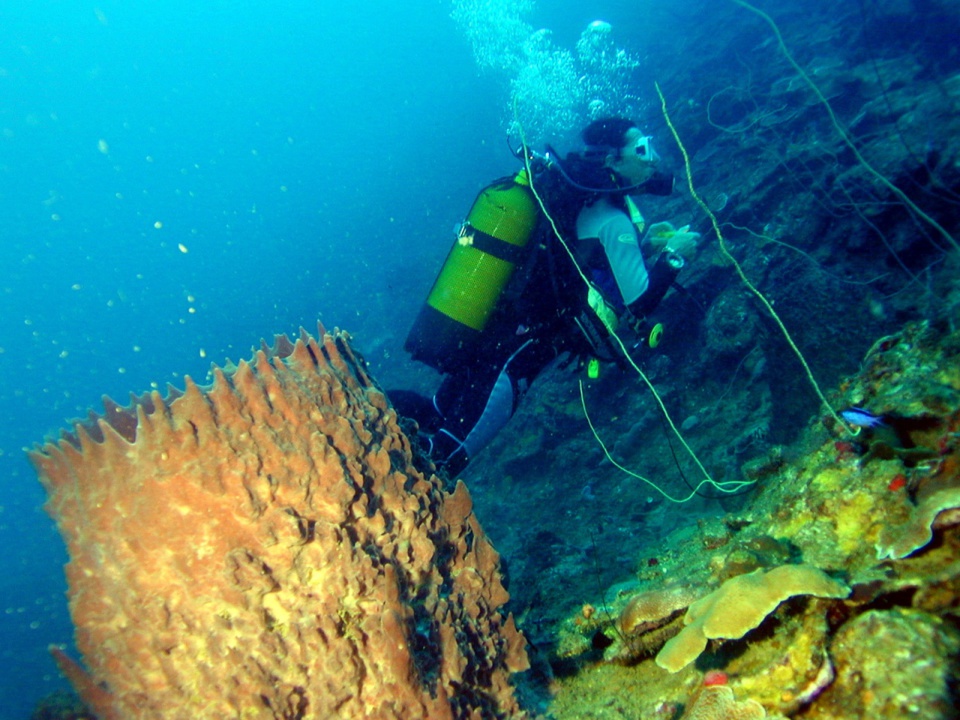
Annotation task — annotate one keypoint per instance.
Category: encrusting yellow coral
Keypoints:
(740, 605)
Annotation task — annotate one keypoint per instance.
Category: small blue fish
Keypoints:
(862, 417)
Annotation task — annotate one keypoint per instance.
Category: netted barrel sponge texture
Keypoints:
(740, 605)
(265, 548)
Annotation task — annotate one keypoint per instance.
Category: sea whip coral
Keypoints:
(264, 548)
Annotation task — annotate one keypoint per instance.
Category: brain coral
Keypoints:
(717, 702)
(264, 548)
(648, 620)
(741, 604)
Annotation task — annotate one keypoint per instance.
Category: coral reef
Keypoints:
(265, 548)
(845, 261)
(939, 510)
(882, 642)
(899, 643)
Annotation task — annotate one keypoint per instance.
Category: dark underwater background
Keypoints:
(179, 180)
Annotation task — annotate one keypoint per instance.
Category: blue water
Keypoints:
(179, 180)
(183, 180)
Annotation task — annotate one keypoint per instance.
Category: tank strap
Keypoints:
(469, 235)
(662, 274)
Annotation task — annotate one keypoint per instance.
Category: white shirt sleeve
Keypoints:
(618, 236)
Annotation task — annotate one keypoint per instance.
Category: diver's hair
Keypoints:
(588, 169)
(588, 180)
(605, 136)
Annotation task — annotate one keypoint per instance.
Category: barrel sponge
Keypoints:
(740, 605)
(265, 548)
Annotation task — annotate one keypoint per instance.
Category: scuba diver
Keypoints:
(512, 296)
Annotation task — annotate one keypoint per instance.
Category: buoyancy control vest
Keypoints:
(492, 242)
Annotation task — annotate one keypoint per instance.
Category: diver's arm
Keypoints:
(618, 236)
(641, 288)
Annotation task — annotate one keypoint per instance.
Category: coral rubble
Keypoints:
(265, 548)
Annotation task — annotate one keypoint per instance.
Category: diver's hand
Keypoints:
(684, 242)
(664, 236)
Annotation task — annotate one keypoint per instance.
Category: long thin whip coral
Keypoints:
(728, 486)
(841, 131)
(746, 281)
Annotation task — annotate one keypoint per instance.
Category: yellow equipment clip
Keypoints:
(593, 368)
(636, 217)
(656, 332)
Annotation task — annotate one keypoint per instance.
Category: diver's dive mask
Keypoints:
(658, 183)
(644, 149)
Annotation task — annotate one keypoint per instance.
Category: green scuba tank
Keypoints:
(491, 243)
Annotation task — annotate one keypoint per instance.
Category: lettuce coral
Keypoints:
(898, 542)
(740, 605)
(717, 702)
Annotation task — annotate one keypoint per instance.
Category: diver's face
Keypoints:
(637, 161)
